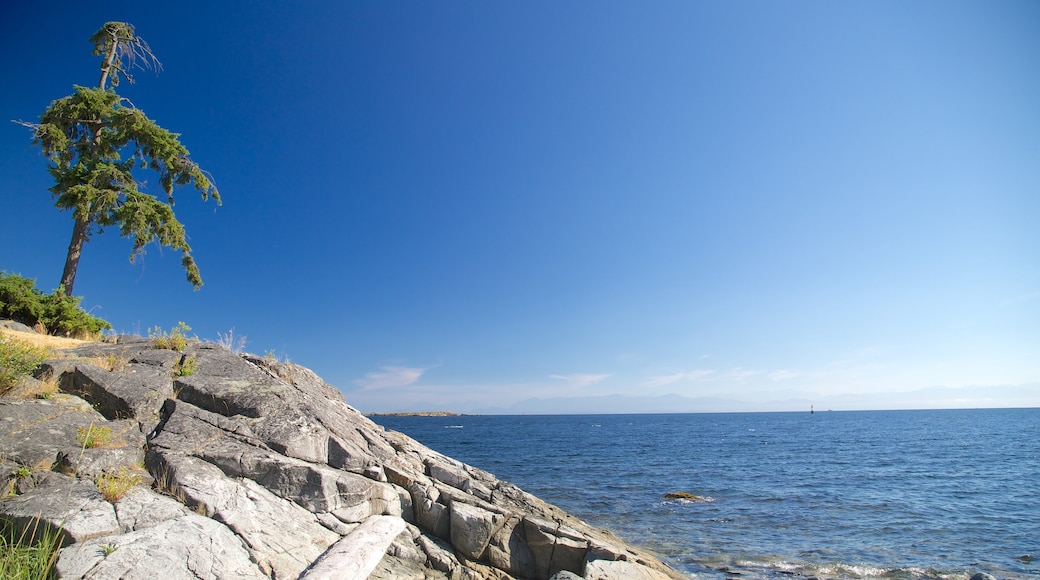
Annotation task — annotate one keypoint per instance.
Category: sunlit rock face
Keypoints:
(245, 467)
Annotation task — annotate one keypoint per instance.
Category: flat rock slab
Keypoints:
(282, 537)
(622, 570)
(74, 505)
(189, 547)
(357, 554)
(34, 431)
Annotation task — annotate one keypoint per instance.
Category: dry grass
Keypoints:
(93, 436)
(45, 340)
(113, 486)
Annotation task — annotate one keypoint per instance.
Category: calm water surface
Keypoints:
(889, 494)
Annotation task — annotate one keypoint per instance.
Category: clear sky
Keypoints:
(467, 205)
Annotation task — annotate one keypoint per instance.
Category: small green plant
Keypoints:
(32, 554)
(18, 359)
(107, 549)
(174, 340)
(187, 366)
(113, 486)
(22, 472)
(93, 436)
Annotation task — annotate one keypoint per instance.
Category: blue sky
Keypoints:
(470, 205)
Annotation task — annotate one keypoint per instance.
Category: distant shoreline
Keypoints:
(419, 414)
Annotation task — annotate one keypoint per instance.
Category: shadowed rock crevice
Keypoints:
(260, 469)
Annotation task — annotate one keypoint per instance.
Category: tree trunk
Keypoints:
(79, 236)
(106, 67)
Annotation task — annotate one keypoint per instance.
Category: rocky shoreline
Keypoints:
(246, 467)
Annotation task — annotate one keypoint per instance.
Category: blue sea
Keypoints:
(873, 494)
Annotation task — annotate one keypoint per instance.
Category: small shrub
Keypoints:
(55, 313)
(22, 472)
(187, 366)
(113, 486)
(18, 359)
(93, 436)
(174, 340)
(107, 549)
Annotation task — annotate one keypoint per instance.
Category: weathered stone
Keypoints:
(508, 550)
(395, 568)
(93, 384)
(432, 516)
(143, 508)
(335, 524)
(125, 449)
(567, 575)
(552, 552)
(622, 570)
(189, 547)
(74, 505)
(222, 384)
(439, 554)
(446, 473)
(358, 553)
(472, 528)
(317, 488)
(282, 537)
(33, 432)
(16, 326)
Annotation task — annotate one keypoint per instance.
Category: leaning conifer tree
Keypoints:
(95, 139)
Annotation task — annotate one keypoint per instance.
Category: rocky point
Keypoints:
(244, 467)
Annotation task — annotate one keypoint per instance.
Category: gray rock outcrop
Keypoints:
(251, 468)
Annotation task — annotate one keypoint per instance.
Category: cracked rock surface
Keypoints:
(251, 468)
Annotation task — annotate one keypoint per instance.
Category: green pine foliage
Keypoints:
(95, 140)
(59, 314)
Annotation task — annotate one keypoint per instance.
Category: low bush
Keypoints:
(21, 301)
(176, 339)
(113, 486)
(18, 359)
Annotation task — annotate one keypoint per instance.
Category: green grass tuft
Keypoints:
(28, 562)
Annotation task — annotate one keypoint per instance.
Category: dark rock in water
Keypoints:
(1026, 559)
(259, 469)
(683, 495)
(982, 576)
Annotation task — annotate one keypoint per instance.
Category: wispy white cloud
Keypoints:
(782, 375)
(579, 380)
(739, 374)
(389, 377)
(661, 380)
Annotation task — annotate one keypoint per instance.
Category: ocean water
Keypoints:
(878, 494)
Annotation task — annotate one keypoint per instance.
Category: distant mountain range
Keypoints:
(1027, 395)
